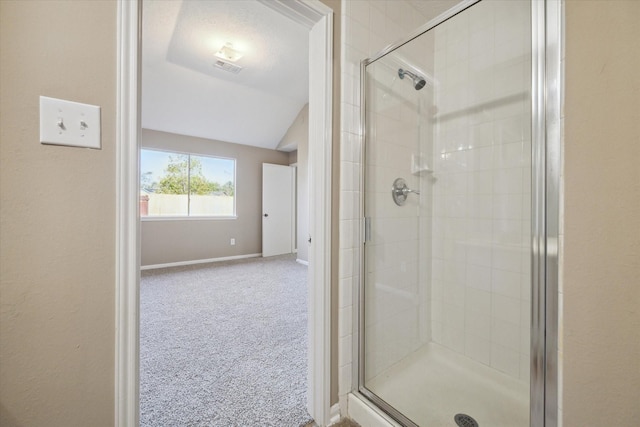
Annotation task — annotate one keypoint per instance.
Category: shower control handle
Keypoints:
(400, 191)
(406, 191)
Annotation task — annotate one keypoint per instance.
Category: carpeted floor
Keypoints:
(224, 344)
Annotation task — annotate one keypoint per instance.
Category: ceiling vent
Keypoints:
(227, 66)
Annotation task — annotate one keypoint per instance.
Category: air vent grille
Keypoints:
(227, 66)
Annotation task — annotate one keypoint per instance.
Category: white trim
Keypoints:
(186, 218)
(334, 414)
(294, 209)
(198, 261)
(301, 261)
(127, 223)
(320, 144)
(127, 203)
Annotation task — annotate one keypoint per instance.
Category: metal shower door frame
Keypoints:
(546, 98)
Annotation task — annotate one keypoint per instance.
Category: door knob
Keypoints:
(266, 215)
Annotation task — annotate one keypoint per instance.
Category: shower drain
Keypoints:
(464, 420)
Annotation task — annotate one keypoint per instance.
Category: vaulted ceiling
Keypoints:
(182, 91)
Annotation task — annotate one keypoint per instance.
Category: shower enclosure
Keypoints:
(450, 270)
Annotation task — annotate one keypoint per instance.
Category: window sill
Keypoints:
(187, 218)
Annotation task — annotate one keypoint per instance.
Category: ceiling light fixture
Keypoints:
(228, 53)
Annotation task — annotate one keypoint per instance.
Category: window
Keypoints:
(181, 184)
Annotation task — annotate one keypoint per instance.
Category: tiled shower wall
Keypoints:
(397, 298)
(481, 198)
(368, 27)
(481, 282)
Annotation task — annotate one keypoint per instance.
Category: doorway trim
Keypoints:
(319, 19)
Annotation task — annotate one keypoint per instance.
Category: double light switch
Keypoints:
(69, 123)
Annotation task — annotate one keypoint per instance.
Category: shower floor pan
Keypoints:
(434, 384)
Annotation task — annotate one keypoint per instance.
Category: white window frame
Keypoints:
(189, 216)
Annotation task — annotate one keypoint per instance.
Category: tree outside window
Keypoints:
(179, 184)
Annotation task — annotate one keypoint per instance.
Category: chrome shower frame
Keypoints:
(546, 98)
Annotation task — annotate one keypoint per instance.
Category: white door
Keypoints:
(277, 208)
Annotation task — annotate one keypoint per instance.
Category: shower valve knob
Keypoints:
(400, 191)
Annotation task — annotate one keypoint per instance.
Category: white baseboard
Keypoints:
(301, 261)
(198, 261)
(334, 414)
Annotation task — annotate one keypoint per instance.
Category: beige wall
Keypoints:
(298, 135)
(601, 292)
(204, 239)
(57, 211)
(57, 234)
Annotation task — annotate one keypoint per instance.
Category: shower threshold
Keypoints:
(434, 384)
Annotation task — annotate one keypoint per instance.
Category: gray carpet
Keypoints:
(224, 344)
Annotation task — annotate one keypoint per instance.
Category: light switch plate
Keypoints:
(69, 123)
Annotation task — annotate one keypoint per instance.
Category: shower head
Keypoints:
(418, 82)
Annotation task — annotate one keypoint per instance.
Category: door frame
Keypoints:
(319, 19)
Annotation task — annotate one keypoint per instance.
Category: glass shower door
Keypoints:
(446, 292)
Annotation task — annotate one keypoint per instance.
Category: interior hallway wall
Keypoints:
(601, 237)
(57, 218)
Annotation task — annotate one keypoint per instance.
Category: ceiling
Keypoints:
(183, 93)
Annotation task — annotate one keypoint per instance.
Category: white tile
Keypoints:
(505, 309)
(478, 349)
(394, 12)
(480, 206)
(479, 277)
(478, 325)
(512, 155)
(454, 296)
(480, 182)
(507, 181)
(453, 338)
(346, 263)
(525, 368)
(345, 316)
(525, 287)
(345, 379)
(345, 296)
(377, 19)
(479, 255)
(506, 334)
(358, 36)
(478, 302)
(359, 11)
(525, 337)
(436, 332)
(436, 311)
(505, 360)
(506, 283)
(507, 258)
(345, 350)
(507, 206)
(480, 230)
(508, 232)
(349, 204)
(481, 158)
(347, 233)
